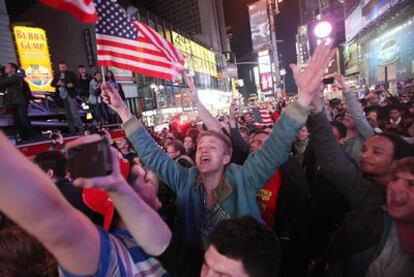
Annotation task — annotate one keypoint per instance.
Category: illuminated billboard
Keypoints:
(259, 25)
(34, 57)
(199, 58)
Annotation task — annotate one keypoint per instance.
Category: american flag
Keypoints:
(262, 116)
(84, 10)
(126, 43)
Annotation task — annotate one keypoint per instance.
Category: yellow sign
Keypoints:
(34, 57)
(199, 58)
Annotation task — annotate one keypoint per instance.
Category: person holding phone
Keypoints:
(29, 198)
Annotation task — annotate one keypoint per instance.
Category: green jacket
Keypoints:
(14, 87)
(237, 192)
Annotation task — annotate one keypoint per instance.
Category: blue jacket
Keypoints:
(237, 191)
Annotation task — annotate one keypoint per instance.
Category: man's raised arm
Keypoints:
(29, 198)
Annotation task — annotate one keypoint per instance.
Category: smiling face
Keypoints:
(211, 156)
(395, 114)
(303, 134)
(348, 121)
(400, 197)
(376, 156)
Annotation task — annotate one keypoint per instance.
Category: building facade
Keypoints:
(158, 100)
(7, 53)
(380, 49)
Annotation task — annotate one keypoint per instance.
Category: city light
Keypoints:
(323, 29)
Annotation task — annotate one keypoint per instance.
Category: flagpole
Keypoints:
(103, 74)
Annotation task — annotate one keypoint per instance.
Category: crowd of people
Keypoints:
(72, 89)
(328, 190)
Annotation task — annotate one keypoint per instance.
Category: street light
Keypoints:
(323, 29)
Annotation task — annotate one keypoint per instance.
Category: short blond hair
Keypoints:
(226, 140)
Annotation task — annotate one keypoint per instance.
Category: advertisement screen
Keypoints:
(259, 26)
(34, 57)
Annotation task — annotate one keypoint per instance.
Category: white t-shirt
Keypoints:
(392, 262)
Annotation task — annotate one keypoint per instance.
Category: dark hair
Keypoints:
(260, 131)
(340, 127)
(23, 255)
(244, 130)
(251, 242)
(177, 145)
(81, 66)
(402, 149)
(250, 113)
(112, 77)
(15, 66)
(52, 160)
(63, 62)
(405, 165)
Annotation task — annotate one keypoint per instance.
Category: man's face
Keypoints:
(63, 67)
(217, 265)
(98, 76)
(248, 118)
(246, 137)
(172, 152)
(9, 69)
(257, 141)
(82, 70)
(123, 145)
(373, 99)
(145, 184)
(376, 156)
(210, 155)
(400, 197)
(395, 114)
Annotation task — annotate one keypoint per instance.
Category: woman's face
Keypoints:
(188, 143)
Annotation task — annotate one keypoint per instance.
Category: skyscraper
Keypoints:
(203, 19)
(7, 53)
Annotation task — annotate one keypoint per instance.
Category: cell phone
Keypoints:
(91, 159)
(328, 81)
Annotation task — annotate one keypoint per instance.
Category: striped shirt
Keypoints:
(120, 256)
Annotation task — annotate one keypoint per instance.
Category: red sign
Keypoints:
(266, 82)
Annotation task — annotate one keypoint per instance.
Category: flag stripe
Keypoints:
(135, 57)
(84, 10)
(137, 63)
(160, 42)
(139, 70)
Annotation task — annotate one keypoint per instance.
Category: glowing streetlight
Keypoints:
(323, 29)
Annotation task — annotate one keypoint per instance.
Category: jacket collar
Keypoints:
(222, 191)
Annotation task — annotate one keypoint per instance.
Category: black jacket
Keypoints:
(361, 237)
(70, 77)
(14, 90)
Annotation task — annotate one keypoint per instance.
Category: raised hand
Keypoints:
(192, 92)
(111, 97)
(340, 83)
(308, 80)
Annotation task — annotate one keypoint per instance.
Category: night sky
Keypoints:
(287, 22)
